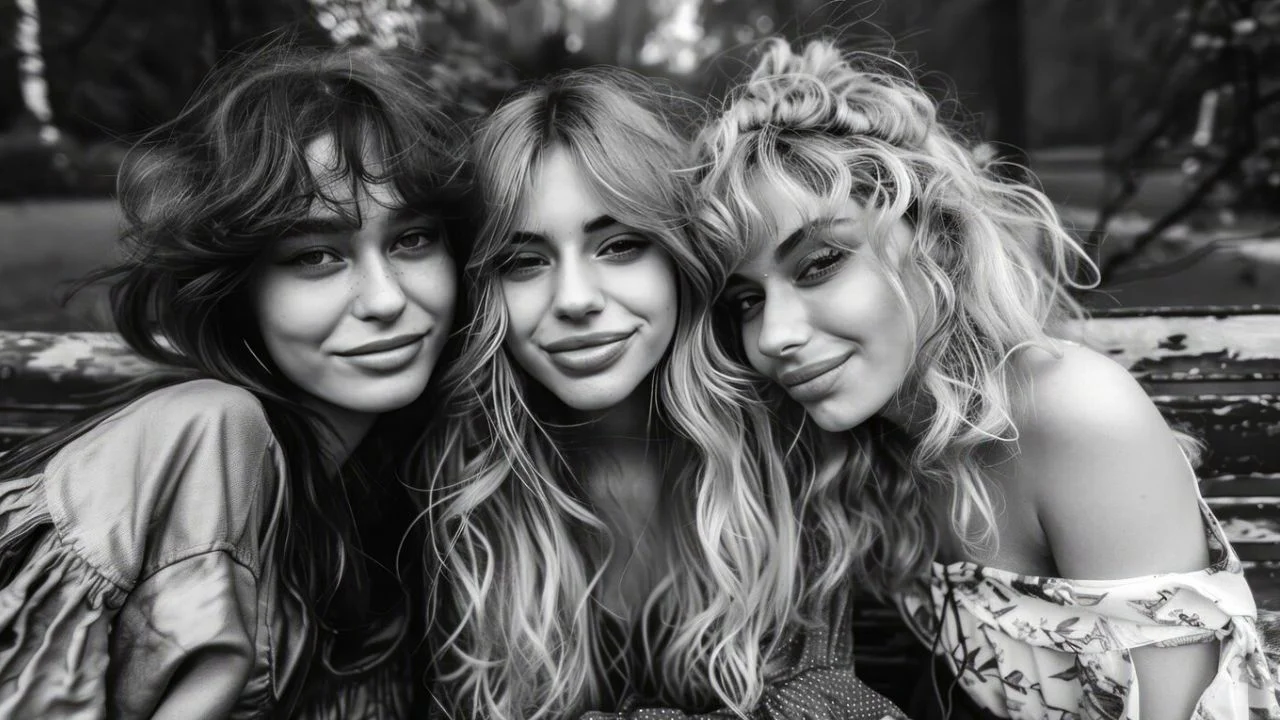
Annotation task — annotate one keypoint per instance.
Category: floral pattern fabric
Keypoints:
(1027, 647)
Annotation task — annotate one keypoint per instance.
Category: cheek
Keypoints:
(294, 315)
(906, 317)
(751, 348)
(653, 290)
(523, 303)
(433, 287)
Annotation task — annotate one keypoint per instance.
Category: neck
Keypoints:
(627, 423)
(909, 411)
(625, 477)
(342, 431)
(623, 458)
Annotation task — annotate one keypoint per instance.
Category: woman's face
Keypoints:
(356, 316)
(590, 301)
(821, 320)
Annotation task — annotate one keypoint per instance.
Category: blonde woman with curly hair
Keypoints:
(617, 543)
(1019, 495)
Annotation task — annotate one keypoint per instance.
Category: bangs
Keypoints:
(378, 135)
(769, 163)
(630, 185)
(630, 161)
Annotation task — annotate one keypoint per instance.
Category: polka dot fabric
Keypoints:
(818, 683)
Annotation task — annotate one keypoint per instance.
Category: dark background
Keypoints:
(1178, 98)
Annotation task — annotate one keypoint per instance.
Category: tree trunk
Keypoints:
(31, 80)
(1008, 77)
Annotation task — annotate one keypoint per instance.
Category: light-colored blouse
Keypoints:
(1027, 647)
(143, 550)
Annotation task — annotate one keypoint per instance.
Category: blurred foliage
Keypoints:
(1214, 111)
(116, 68)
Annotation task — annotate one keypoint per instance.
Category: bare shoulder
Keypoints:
(1114, 494)
(1079, 391)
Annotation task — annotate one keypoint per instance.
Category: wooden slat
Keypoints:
(1194, 311)
(1264, 580)
(61, 371)
(1240, 485)
(1190, 345)
(1241, 432)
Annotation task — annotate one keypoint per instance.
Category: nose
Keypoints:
(379, 295)
(578, 291)
(784, 325)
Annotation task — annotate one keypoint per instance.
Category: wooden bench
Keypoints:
(1214, 372)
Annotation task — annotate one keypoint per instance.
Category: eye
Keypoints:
(419, 238)
(821, 263)
(521, 265)
(744, 304)
(621, 248)
(313, 258)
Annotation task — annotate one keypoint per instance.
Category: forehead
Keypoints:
(782, 207)
(335, 191)
(785, 205)
(558, 198)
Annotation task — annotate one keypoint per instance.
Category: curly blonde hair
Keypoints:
(519, 636)
(987, 272)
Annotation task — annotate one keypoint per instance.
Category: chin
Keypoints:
(383, 397)
(836, 417)
(592, 394)
(590, 399)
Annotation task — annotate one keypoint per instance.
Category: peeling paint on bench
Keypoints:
(55, 370)
(1241, 432)
(1204, 348)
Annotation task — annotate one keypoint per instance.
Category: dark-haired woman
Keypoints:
(223, 542)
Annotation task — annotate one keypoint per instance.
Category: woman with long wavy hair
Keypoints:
(905, 304)
(223, 541)
(615, 542)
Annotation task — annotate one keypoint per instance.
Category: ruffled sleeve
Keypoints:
(1003, 633)
(130, 566)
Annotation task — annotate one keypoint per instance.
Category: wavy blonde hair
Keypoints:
(986, 273)
(519, 634)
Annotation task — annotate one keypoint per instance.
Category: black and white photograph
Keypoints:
(640, 359)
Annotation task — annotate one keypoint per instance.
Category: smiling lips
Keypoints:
(387, 355)
(588, 354)
(813, 381)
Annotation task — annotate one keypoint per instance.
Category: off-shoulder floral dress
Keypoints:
(136, 577)
(1042, 648)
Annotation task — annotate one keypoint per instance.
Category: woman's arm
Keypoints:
(183, 645)
(132, 588)
(1116, 499)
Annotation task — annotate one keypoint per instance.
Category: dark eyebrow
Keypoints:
(338, 224)
(521, 237)
(801, 234)
(402, 215)
(599, 223)
(326, 225)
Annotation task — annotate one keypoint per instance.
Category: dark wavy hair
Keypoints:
(202, 195)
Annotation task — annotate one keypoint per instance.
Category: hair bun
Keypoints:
(821, 90)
